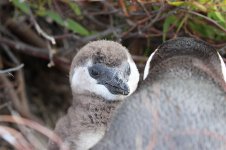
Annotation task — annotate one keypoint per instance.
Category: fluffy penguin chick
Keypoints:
(181, 105)
(102, 74)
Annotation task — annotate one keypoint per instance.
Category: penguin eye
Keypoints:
(94, 72)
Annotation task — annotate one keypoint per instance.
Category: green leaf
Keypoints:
(204, 1)
(207, 31)
(41, 11)
(68, 23)
(167, 23)
(218, 17)
(75, 8)
(23, 6)
(55, 17)
(178, 3)
(76, 27)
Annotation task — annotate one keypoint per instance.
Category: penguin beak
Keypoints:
(117, 85)
(111, 78)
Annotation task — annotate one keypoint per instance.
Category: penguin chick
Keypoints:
(181, 105)
(102, 74)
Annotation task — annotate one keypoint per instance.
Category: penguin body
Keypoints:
(180, 105)
(102, 75)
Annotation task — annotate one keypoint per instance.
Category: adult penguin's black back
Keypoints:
(181, 104)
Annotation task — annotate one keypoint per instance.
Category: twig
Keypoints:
(144, 8)
(10, 54)
(37, 52)
(25, 33)
(115, 32)
(15, 138)
(123, 6)
(93, 19)
(51, 54)
(28, 133)
(21, 84)
(33, 125)
(100, 34)
(14, 97)
(12, 69)
(112, 8)
(48, 37)
(6, 32)
(40, 31)
(157, 17)
(4, 105)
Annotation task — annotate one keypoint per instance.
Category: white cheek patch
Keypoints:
(147, 66)
(82, 83)
(223, 68)
(134, 75)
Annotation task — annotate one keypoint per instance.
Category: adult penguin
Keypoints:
(181, 105)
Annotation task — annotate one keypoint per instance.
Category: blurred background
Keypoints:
(38, 39)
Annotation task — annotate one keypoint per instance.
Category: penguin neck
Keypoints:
(90, 98)
(95, 110)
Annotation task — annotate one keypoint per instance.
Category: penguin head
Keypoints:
(190, 47)
(104, 68)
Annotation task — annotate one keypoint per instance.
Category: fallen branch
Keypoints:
(15, 138)
(33, 125)
(14, 97)
(40, 31)
(12, 69)
(61, 62)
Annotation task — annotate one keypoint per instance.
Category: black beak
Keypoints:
(117, 85)
(110, 78)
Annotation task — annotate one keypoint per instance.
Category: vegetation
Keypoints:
(34, 33)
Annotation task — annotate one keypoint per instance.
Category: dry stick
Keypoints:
(12, 93)
(51, 54)
(40, 31)
(20, 105)
(115, 32)
(45, 131)
(4, 105)
(48, 37)
(25, 33)
(21, 86)
(157, 17)
(33, 138)
(5, 31)
(112, 8)
(37, 52)
(15, 138)
(21, 90)
(10, 54)
(96, 36)
(144, 8)
(123, 6)
(12, 69)
(93, 19)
